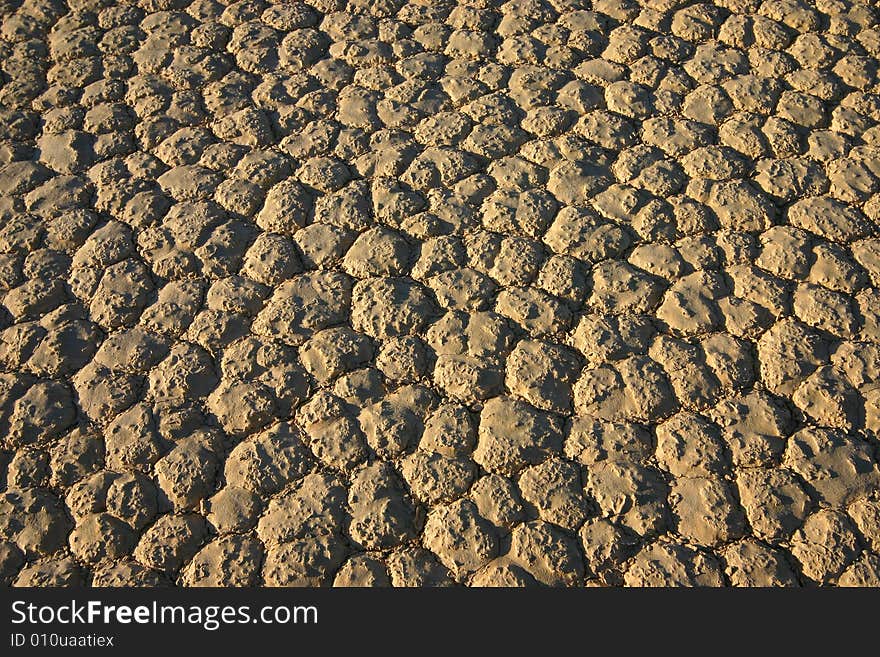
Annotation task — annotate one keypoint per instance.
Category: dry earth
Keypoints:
(384, 293)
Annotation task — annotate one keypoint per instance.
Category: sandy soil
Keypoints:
(384, 293)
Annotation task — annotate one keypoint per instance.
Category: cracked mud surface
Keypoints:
(423, 293)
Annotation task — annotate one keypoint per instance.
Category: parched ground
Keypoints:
(422, 293)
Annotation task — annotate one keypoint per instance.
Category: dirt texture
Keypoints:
(432, 293)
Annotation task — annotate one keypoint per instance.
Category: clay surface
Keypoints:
(439, 293)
